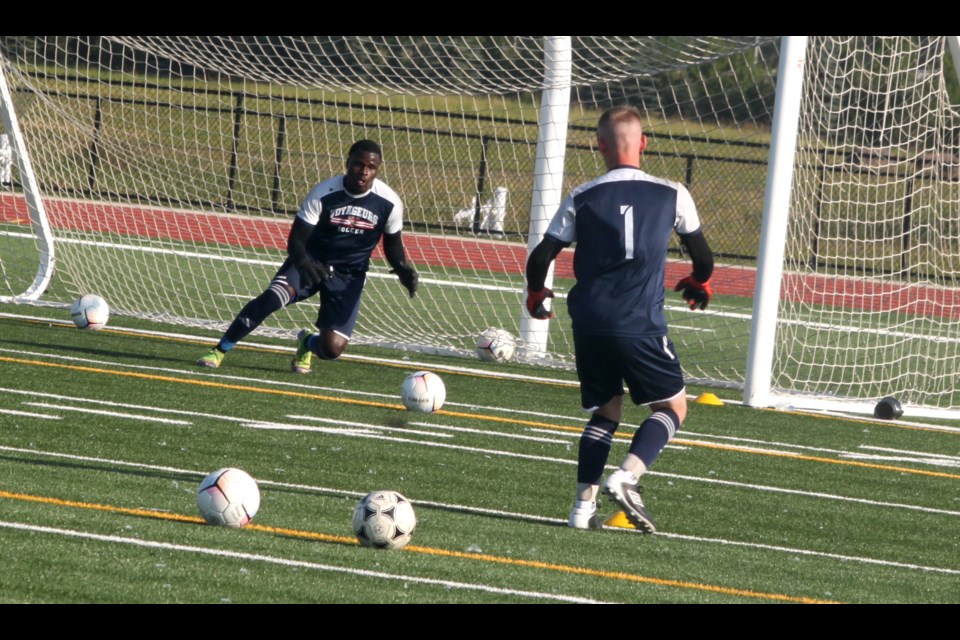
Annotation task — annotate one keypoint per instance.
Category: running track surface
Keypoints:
(462, 252)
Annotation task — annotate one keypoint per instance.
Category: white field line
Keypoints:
(112, 414)
(809, 552)
(28, 414)
(180, 253)
(503, 434)
(936, 462)
(298, 564)
(805, 494)
(366, 427)
(442, 445)
(499, 513)
(911, 452)
(262, 424)
(907, 456)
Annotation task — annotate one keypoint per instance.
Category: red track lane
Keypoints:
(465, 253)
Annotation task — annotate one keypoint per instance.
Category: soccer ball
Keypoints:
(228, 497)
(496, 345)
(90, 312)
(423, 391)
(888, 408)
(384, 519)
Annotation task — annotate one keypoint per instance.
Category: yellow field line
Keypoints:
(619, 575)
(476, 557)
(459, 414)
(799, 456)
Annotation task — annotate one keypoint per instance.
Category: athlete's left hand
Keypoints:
(535, 303)
(697, 294)
(408, 278)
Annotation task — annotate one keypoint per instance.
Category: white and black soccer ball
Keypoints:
(228, 497)
(423, 391)
(384, 519)
(90, 312)
(496, 345)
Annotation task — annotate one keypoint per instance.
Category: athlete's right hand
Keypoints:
(535, 303)
(312, 273)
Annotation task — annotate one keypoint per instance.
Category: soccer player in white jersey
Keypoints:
(334, 233)
(622, 223)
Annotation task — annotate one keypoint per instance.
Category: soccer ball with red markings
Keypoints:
(496, 345)
(90, 312)
(423, 391)
(384, 519)
(228, 497)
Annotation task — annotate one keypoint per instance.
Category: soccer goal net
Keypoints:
(169, 169)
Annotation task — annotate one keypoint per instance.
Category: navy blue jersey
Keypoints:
(347, 226)
(622, 223)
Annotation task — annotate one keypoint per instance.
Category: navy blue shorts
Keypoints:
(339, 297)
(649, 366)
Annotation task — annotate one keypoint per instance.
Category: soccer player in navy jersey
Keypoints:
(328, 251)
(622, 223)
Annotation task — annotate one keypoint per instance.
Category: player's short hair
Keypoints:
(615, 115)
(365, 146)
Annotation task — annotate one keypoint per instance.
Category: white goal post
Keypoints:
(166, 171)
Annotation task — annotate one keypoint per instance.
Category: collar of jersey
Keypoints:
(356, 195)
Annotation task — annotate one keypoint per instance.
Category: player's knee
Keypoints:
(612, 410)
(330, 345)
(677, 405)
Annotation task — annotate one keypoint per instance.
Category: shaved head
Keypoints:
(620, 137)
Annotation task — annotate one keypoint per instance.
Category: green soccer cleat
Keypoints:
(212, 359)
(301, 361)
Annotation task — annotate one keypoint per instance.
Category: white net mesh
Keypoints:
(870, 305)
(171, 168)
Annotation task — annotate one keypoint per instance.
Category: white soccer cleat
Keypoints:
(622, 488)
(584, 518)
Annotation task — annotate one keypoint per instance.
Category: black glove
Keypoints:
(312, 273)
(696, 294)
(408, 278)
(535, 304)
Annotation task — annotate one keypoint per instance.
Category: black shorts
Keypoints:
(649, 366)
(339, 297)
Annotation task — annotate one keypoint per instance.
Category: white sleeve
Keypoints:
(563, 226)
(687, 220)
(395, 221)
(312, 207)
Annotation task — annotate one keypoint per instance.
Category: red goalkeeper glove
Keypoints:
(535, 306)
(696, 294)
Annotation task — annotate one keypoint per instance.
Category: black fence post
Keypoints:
(95, 145)
(812, 261)
(275, 193)
(907, 225)
(237, 120)
(481, 178)
(689, 171)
